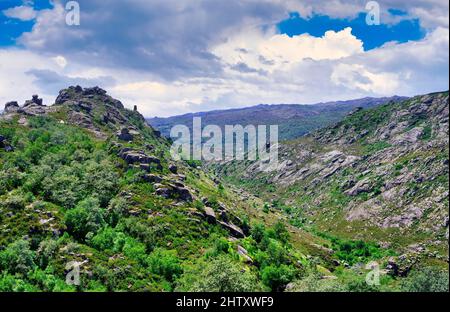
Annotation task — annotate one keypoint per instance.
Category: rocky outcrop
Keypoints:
(139, 158)
(172, 191)
(11, 107)
(35, 100)
(75, 93)
(125, 135)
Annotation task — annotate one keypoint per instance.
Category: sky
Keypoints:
(172, 57)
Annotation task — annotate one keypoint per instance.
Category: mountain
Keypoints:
(294, 120)
(379, 175)
(90, 200)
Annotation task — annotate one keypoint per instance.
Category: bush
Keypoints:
(257, 232)
(46, 251)
(277, 277)
(17, 258)
(427, 279)
(219, 275)
(134, 249)
(313, 282)
(165, 263)
(86, 218)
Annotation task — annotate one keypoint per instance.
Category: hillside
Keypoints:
(379, 175)
(88, 190)
(294, 120)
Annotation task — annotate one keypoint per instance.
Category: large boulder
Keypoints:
(173, 168)
(11, 107)
(210, 215)
(173, 192)
(137, 157)
(125, 135)
(233, 229)
(35, 100)
(151, 178)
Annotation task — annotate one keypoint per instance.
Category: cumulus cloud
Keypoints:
(171, 57)
(23, 13)
(271, 51)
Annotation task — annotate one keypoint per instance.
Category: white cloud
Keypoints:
(205, 61)
(23, 13)
(60, 60)
(271, 51)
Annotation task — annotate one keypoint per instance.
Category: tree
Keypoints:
(17, 258)
(277, 277)
(165, 263)
(221, 274)
(86, 217)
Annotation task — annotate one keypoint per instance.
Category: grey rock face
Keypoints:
(11, 107)
(173, 192)
(124, 135)
(210, 215)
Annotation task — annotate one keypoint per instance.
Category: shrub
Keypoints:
(313, 282)
(427, 279)
(277, 277)
(85, 218)
(17, 258)
(165, 263)
(219, 275)
(257, 232)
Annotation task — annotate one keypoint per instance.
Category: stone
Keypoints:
(244, 253)
(362, 186)
(233, 229)
(125, 135)
(34, 100)
(151, 178)
(173, 168)
(11, 107)
(210, 215)
(173, 192)
(137, 157)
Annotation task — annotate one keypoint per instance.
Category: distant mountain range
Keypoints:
(294, 120)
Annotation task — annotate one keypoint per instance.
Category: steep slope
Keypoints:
(88, 190)
(86, 184)
(379, 175)
(294, 120)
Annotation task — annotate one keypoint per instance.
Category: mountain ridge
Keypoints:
(294, 120)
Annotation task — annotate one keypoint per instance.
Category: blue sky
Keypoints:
(12, 28)
(177, 56)
(373, 36)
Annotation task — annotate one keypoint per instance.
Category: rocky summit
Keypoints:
(87, 184)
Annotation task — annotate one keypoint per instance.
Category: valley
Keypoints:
(88, 184)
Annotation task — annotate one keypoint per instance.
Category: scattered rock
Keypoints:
(210, 215)
(173, 168)
(151, 178)
(244, 253)
(124, 135)
(174, 192)
(233, 229)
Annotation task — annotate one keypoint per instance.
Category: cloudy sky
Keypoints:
(176, 56)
